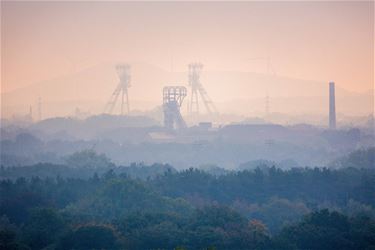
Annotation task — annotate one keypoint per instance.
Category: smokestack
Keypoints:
(332, 106)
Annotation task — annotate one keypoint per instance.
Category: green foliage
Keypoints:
(152, 230)
(213, 227)
(276, 212)
(191, 209)
(43, 228)
(8, 240)
(8, 235)
(119, 197)
(88, 159)
(16, 199)
(311, 186)
(223, 228)
(362, 158)
(90, 237)
(328, 230)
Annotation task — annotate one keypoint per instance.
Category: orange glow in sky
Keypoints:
(313, 41)
(319, 41)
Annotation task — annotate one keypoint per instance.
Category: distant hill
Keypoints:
(245, 92)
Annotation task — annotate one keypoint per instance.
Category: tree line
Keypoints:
(157, 207)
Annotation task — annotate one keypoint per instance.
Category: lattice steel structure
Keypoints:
(173, 97)
(123, 71)
(197, 89)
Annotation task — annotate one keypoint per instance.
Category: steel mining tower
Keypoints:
(173, 97)
(197, 89)
(332, 106)
(123, 71)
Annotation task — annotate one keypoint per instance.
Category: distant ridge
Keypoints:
(90, 88)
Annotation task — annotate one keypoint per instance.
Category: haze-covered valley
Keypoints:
(127, 139)
(288, 127)
(187, 125)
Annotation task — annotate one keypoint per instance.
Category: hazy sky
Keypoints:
(307, 40)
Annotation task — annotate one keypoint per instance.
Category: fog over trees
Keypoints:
(149, 207)
(112, 182)
(187, 125)
(130, 139)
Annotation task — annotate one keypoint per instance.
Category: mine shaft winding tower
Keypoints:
(173, 97)
(123, 71)
(197, 89)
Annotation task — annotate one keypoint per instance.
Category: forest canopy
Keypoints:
(157, 207)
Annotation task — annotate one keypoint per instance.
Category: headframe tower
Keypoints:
(123, 71)
(173, 97)
(197, 89)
